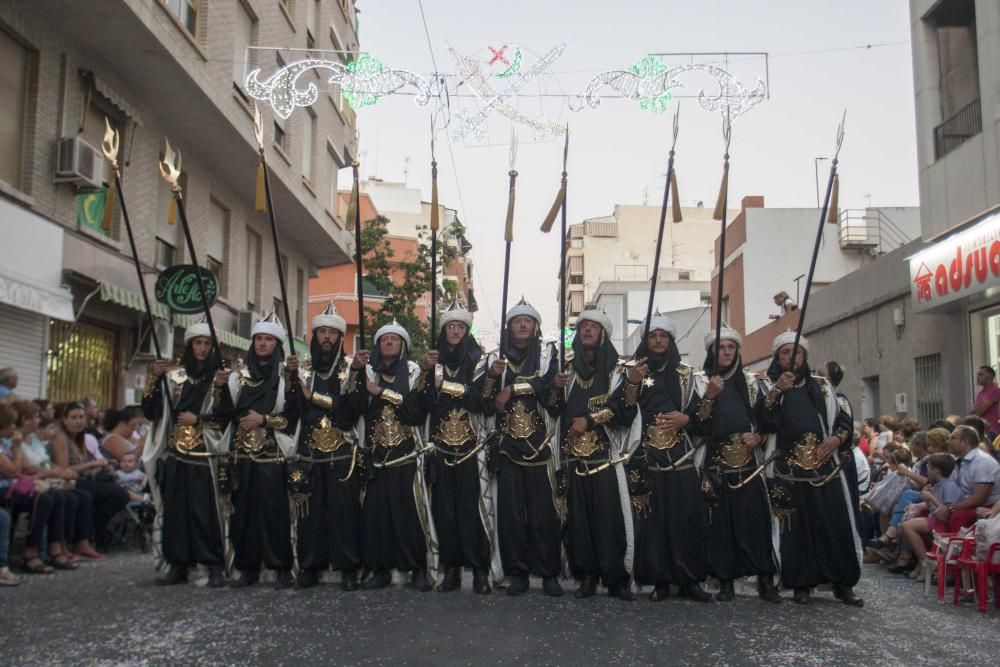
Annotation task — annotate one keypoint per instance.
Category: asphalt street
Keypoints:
(112, 614)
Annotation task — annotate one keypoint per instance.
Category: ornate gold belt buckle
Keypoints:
(519, 423)
(184, 438)
(253, 441)
(734, 453)
(806, 454)
(454, 430)
(388, 432)
(326, 439)
(584, 444)
(661, 438)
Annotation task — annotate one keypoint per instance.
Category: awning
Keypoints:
(23, 293)
(227, 338)
(123, 297)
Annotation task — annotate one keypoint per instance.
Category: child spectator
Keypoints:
(132, 479)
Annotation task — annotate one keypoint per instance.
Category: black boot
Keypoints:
(247, 578)
(216, 578)
(727, 592)
(481, 581)
(452, 580)
(419, 580)
(178, 574)
(379, 579)
(766, 589)
(660, 593)
(283, 579)
(801, 595)
(697, 593)
(349, 580)
(552, 587)
(846, 595)
(518, 585)
(307, 579)
(588, 586)
(622, 592)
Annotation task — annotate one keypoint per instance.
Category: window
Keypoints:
(217, 243)
(332, 167)
(725, 309)
(683, 275)
(301, 298)
(312, 22)
(165, 254)
(253, 269)
(576, 243)
(308, 141)
(99, 110)
(958, 74)
(280, 138)
(576, 280)
(930, 406)
(14, 78)
(186, 12)
(871, 403)
(243, 39)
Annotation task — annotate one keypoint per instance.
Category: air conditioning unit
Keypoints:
(245, 319)
(79, 163)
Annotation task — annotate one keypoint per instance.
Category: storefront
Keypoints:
(31, 293)
(959, 274)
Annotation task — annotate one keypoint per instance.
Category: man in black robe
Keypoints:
(261, 405)
(592, 426)
(458, 467)
(670, 545)
(739, 519)
(180, 460)
(527, 521)
(329, 523)
(809, 493)
(394, 518)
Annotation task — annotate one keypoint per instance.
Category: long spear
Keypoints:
(435, 224)
(170, 170)
(560, 206)
(262, 179)
(659, 236)
(508, 237)
(830, 187)
(720, 214)
(356, 197)
(110, 146)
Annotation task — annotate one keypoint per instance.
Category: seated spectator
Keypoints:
(7, 578)
(119, 426)
(871, 430)
(979, 424)
(79, 504)
(23, 493)
(917, 480)
(942, 424)
(954, 420)
(46, 410)
(888, 425)
(8, 382)
(943, 491)
(132, 479)
(74, 449)
(907, 428)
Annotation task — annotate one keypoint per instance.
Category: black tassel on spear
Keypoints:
(559, 205)
(508, 237)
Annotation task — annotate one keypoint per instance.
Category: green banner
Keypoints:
(90, 210)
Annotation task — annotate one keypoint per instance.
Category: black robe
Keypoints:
(817, 535)
(191, 529)
(739, 520)
(455, 484)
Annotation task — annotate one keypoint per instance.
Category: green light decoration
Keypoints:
(648, 69)
(514, 67)
(364, 68)
(570, 334)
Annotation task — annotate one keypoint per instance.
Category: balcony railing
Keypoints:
(955, 131)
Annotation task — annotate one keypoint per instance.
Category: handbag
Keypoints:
(884, 495)
(26, 486)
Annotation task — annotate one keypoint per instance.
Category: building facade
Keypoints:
(157, 70)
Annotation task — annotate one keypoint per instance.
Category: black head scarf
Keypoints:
(813, 390)
(196, 369)
(605, 359)
(669, 362)
(733, 371)
(320, 362)
(262, 397)
(463, 357)
(528, 358)
(399, 368)
(193, 393)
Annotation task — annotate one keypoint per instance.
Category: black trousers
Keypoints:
(329, 536)
(527, 522)
(260, 528)
(671, 543)
(455, 499)
(108, 500)
(78, 517)
(391, 530)
(595, 528)
(739, 531)
(192, 533)
(44, 510)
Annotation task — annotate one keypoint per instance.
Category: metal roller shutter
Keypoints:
(22, 346)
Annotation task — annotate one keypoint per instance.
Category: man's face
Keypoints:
(658, 341)
(201, 347)
(389, 346)
(327, 338)
(785, 356)
(727, 353)
(263, 345)
(454, 332)
(589, 333)
(956, 445)
(983, 377)
(522, 328)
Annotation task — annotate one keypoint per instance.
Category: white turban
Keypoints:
(195, 330)
(271, 327)
(726, 334)
(663, 323)
(393, 328)
(456, 315)
(788, 338)
(330, 318)
(597, 316)
(524, 308)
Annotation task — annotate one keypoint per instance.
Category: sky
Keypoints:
(823, 57)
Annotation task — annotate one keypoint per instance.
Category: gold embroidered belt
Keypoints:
(254, 441)
(388, 432)
(185, 438)
(520, 423)
(806, 453)
(659, 437)
(583, 444)
(326, 439)
(733, 453)
(455, 429)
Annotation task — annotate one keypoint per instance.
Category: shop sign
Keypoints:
(958, 266)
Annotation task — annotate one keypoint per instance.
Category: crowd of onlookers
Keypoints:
(73, 472)
(939, 480)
